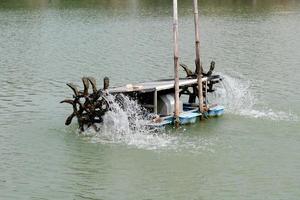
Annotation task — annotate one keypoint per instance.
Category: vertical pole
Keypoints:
(206, 100)
(197, 61)
(155, 102)
(176, 62)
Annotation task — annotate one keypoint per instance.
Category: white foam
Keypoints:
(270, 114)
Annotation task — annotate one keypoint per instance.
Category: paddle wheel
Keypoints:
(88, 107)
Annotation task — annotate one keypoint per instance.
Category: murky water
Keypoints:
(252, 152)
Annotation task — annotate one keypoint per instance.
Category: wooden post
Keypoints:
(176, 62)
(198, 61)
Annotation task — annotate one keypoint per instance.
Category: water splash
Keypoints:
(236, 95)
(128, 123)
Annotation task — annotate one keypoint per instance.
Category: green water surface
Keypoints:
(252, 152)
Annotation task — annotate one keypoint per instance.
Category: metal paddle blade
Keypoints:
(70, 101)
(86, 85)
(74, 88)
(69, 119)
(187, 70)
(92, 80)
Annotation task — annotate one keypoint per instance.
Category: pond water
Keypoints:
(252, 152)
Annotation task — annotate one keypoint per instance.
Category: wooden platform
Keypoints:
(151, 86)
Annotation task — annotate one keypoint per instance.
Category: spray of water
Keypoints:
(236, 95)
(128, 123)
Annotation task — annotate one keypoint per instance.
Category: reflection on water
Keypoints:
(44, 44)
(154, 7)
